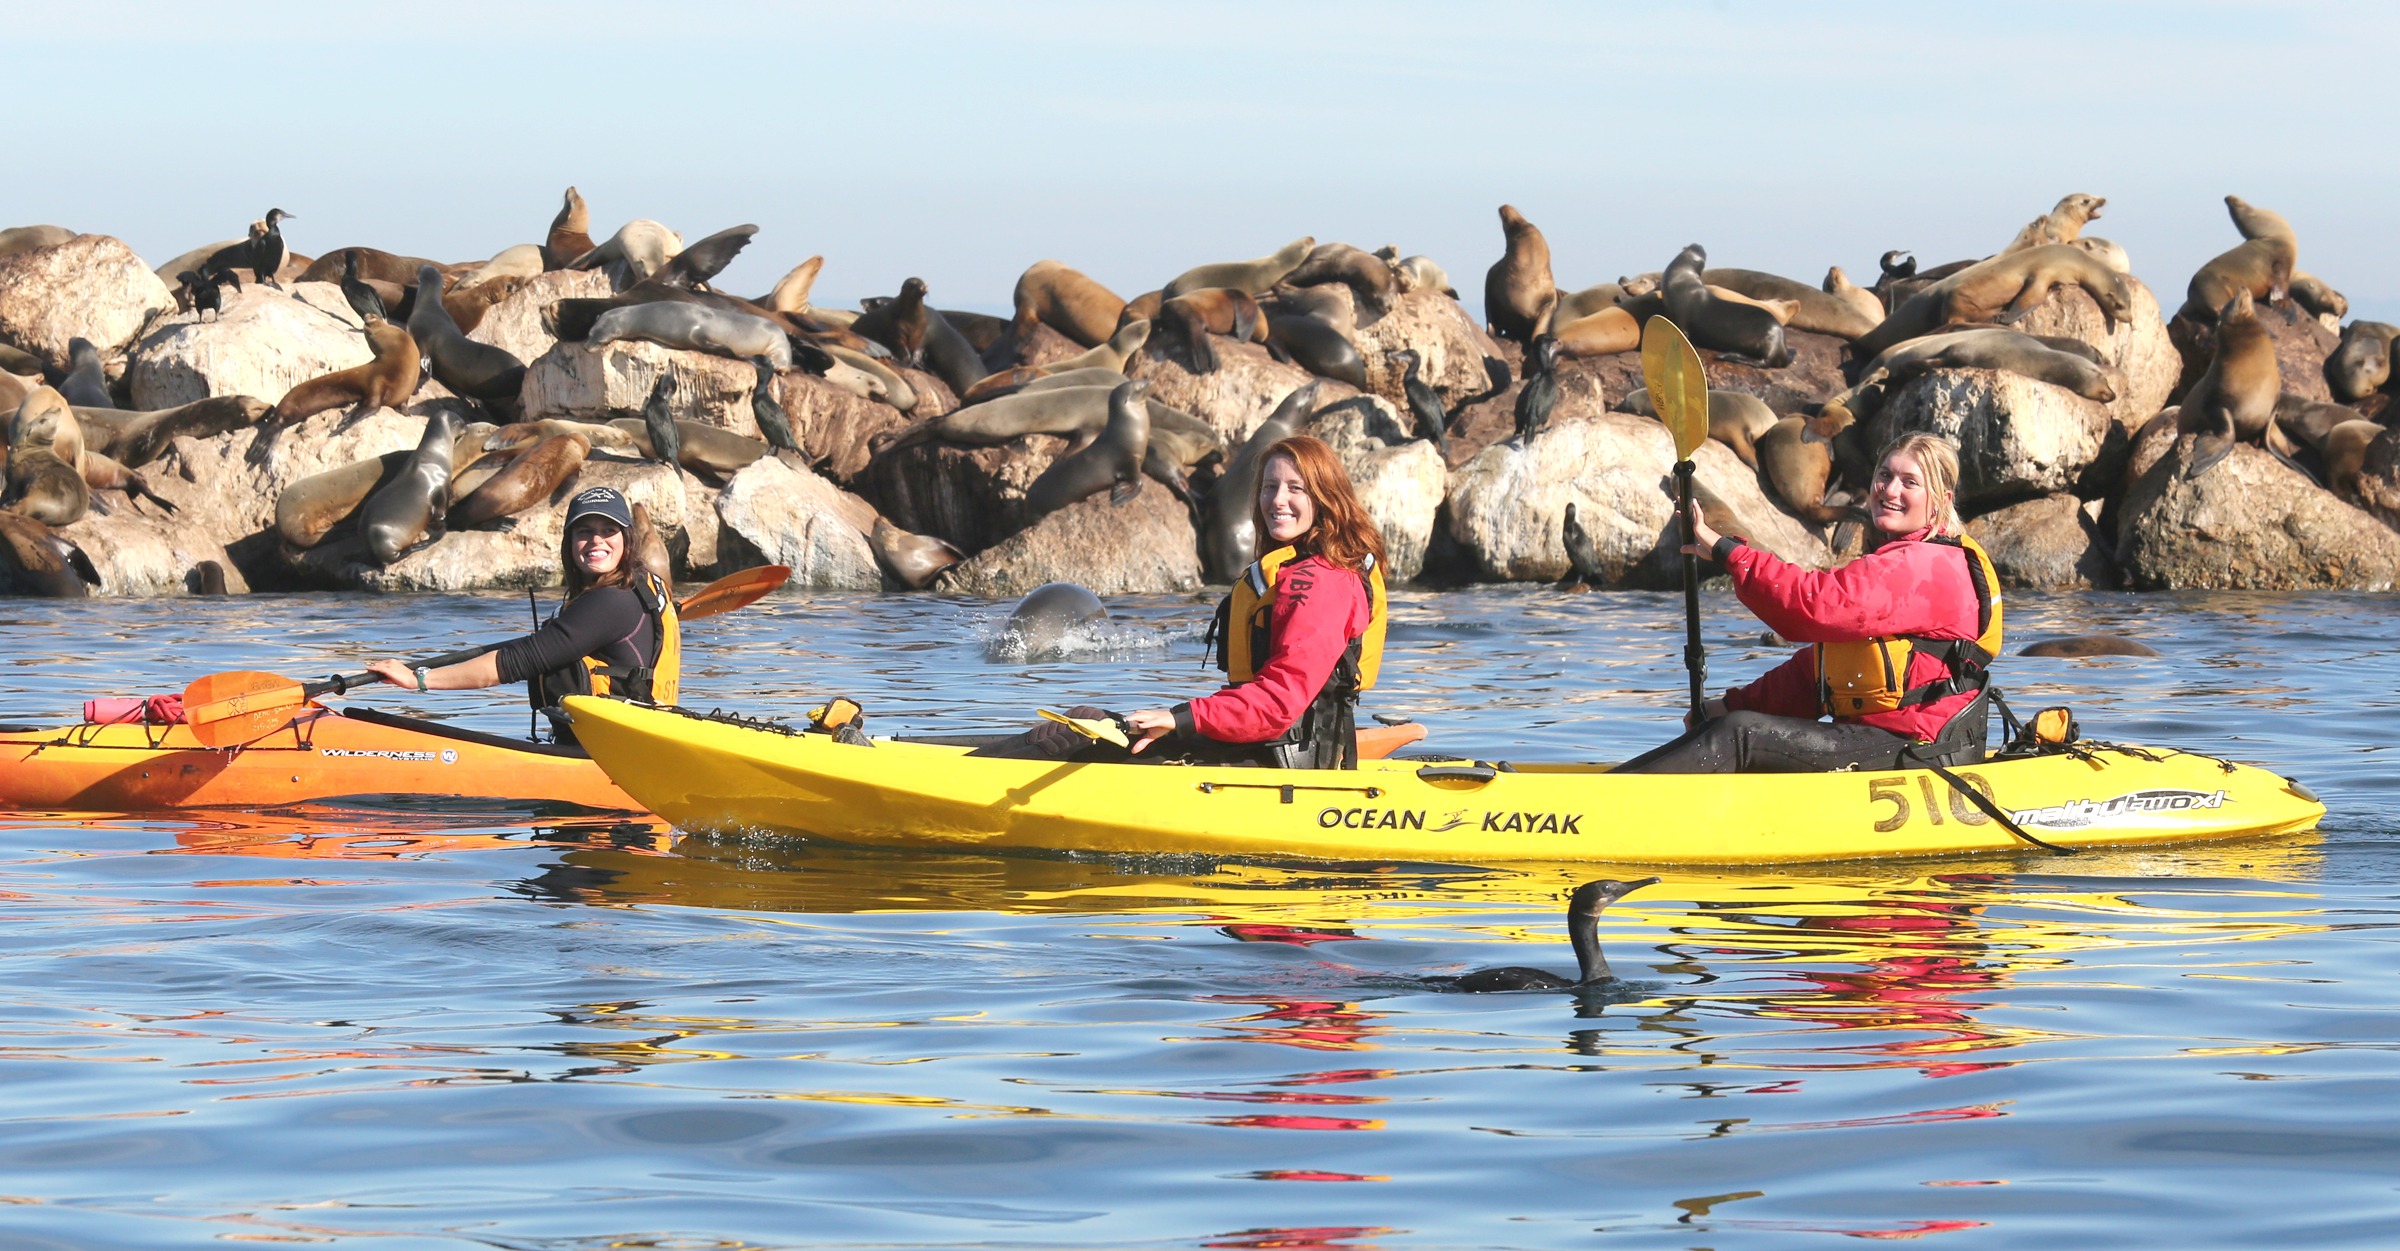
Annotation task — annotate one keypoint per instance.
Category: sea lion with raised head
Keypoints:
(475, 370)
(1518, 291)
(1054, 294)
(2001, 290)
(570, 232)
(912, 560)
(695, 328)
(1795, 456)
(136, 438)
(2235, 398)
(1229, 529)
(410, 511)
(45, 420)
(86, 383)
(1257, 276)
(1729, 328)
(645, 548)
(384, 382)
(467, 305)
(2064, 223)
(1583, 931)
(2362, 362)
(532, 478)
(42, 562)
(1111, 462)
(708, 450)
(901, 325)
(2260, 265)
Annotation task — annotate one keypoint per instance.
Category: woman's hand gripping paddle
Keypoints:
(1679, 391)
(228, 709)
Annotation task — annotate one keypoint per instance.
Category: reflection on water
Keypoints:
(492, 1029)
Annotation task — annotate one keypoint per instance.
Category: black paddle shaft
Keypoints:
(340, 683)
(1695, 661)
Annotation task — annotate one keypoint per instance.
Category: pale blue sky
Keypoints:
(960, 142)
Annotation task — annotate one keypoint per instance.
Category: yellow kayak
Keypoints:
(720, 774)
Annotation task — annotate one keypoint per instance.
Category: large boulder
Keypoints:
(2048, 544)
(1144, 546)
(1449, 345)
(2250, 523)
(140, 554)
(515, 323)
(2016, 437)
(91, 287)
(973, 497)
(1400, 480)
(587, 382)
(790, 516)
(2138, 347)
(265, 343)
(837, 430)
(1508, 505)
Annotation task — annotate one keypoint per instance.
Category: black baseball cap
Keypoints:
(600, 502)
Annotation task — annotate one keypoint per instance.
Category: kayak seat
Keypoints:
(439, 730)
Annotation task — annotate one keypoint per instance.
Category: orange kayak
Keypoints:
(320, 754)
(330, 754)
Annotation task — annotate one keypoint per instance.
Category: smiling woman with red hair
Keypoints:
(1300, 636)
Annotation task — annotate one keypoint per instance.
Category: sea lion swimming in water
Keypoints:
(1110, 462)
(1583, 930)
(1037, 629)
(2078, 645)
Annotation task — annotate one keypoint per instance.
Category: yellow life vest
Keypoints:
(1871, 675)
(662, 682)
(1246, 623)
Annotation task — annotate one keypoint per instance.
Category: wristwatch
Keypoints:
(421, 687)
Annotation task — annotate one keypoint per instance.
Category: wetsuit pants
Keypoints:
(1051, 741)
(1758, 742)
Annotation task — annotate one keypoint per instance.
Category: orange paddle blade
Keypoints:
(734, 590)
(225, 709)
(1378, 742)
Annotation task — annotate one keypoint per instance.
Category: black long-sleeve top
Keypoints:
(606, 623)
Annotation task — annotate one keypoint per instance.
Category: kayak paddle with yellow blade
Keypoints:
(1097, 730)
(228, 709)
(1679, 391)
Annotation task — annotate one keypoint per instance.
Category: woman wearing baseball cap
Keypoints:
(616, 634)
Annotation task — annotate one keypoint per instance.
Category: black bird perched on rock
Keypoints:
(1540, 392)
(362, 297)
(262, 253)
(1583, 929)
(1432, 422)
(659, 422)
(86, 383)
(206, 292)
(773, 422)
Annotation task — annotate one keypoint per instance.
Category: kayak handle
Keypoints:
(1288, 788)
(1458, 773)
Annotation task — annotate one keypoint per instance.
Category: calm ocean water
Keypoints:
(403, 1030)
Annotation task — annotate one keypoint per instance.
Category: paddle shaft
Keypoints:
(1695, 660)
(341, 683)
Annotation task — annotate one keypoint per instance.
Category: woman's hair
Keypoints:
(1343, 534)
(1937, 465)
(621, 576)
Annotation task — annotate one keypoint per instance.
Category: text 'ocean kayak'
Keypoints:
(707, 773)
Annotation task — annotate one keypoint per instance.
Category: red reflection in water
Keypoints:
(1295, 1122)
(1297, 935)
(1312, 1175)
(1331, 1076)
(1316, 1024)
(1301, 1238)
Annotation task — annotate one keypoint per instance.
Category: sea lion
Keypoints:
(384, 382)
(703, 449)
(206, 578)
(475, 370)
(695, 328)
(864, 376)
(1741, 331)
(1041, 622)
(1424, 403)
(409, 511)
(1033, 378)
(901, 325)
(1316, 346)
(1583, 555)
(1601, 333)
(17, 239)
(912, 560)
(2318, 297)
(1576, 305)
(1229, 531)
(1257, 276)
(102, 472)
(767, 410)
(645, 548)
(640, 248)
(374, 265)
(2344, 454)
(2064, 223)
(982, 331)
(1838, 308)
(532, 478)
(790, 293)
(42, 562)
(1053, 294)
(601, 436)
(310, 508)
(1179, 442)
(1539, 394)
(2260, 265)
(1417, 273)
(86, 382)
(45, 420)
(467, 305)
(1735, 418)
(1368, 276)
(2362, 362)
(1991, 348)
(1795, 456)
(1111, 353)
(2235, 398)
(570, 232)
(522, 261)
(44, 487)
(2001, 290)
(1192, 317)
(1111, 462)
(1518, 291)
(2078, 645)
(2107, 252)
